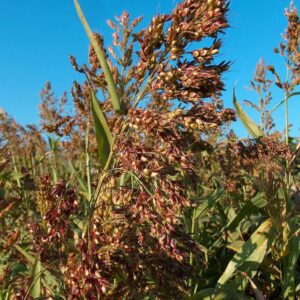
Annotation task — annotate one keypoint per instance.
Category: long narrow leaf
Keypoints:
(218, 294)
(249, 124)
(101, 57)
(251, 254)
(103, 134)
(283, 101)
(36, 290)
(289, 268)
(49, 278)
(208, 203)
(249, 208)
(29, 257)
(81, 181)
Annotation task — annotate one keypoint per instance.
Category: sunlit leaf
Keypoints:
(251, 254)
(101, 57)
(283, 101)
(36, 290)
(249, 124)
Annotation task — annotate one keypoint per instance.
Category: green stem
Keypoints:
(16, 169)
(288, 174)
(54, 166)
(192, 233)
(261, 110)
(33, 167)
(286, 119)
(87, 160)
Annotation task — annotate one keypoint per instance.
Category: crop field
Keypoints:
(138, 188)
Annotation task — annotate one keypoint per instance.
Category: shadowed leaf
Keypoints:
(103, 133)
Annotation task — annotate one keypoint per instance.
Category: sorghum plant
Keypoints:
(136, 227)
(139, 192)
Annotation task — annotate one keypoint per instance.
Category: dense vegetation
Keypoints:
(141, 190)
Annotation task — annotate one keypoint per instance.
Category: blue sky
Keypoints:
(37, 39)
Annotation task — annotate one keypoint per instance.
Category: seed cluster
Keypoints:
(164, 55)
(57, 204)
(142, 225)
(290, 47)
(264, 155)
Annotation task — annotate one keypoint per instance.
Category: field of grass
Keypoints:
(142, 190)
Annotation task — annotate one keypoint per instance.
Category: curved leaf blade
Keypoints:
(251, 255)
(252, 206)
(103, 134)
(283, 101)
(289, 267)
(248, 123)
(208, 203)
(116, 102)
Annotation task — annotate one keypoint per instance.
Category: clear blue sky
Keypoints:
(37, 37)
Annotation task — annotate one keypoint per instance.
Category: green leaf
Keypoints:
(53, 143)
(17, 269)
(103, 134)
(218, 294)
(16, 176)
(36, 290)
(48, 277)
(283, 101)
(101, 57)
(250, 256)
(208, 203)
(5, 294)
(29, 257)
(249, 208)
(289, 267)
(235, 246)
(81, 181)
(125, 177)
(249, 124)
